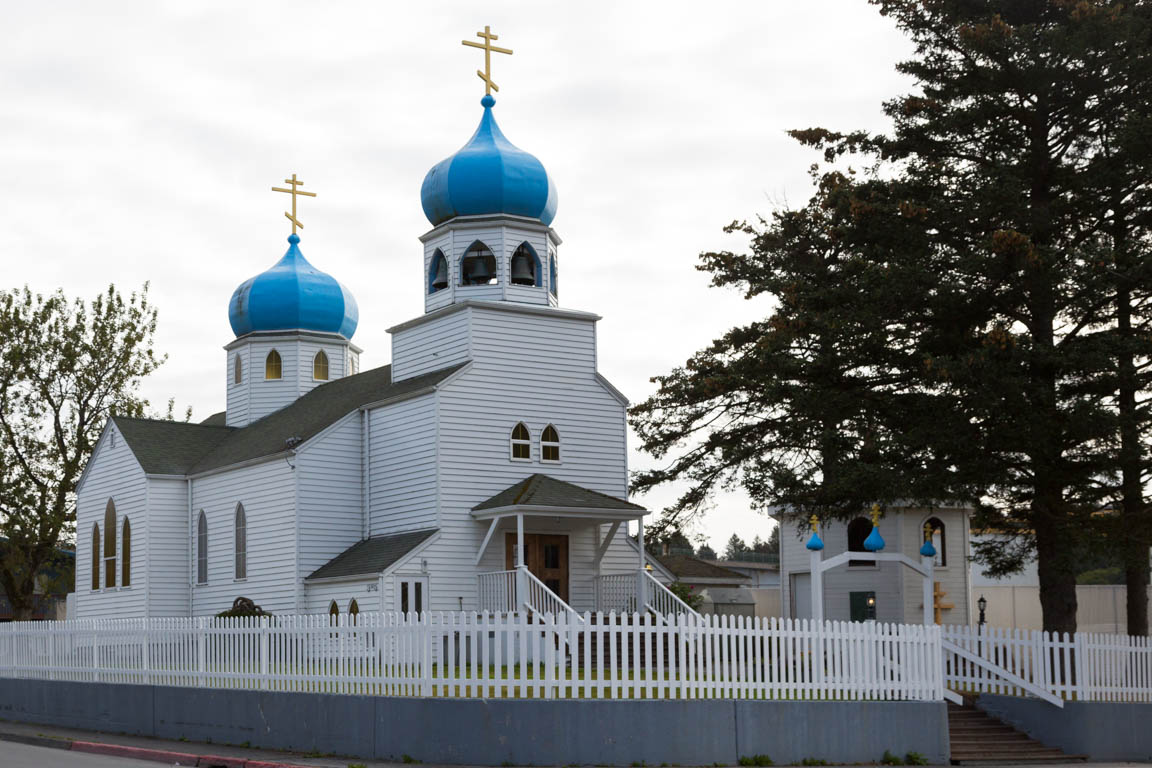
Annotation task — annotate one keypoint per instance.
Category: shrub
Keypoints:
(915, 758)
(755, 760)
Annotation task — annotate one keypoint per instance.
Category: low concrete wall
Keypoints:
(1101, 730)
(493, 732)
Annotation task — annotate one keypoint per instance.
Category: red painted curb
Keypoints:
(219, 761)
(136, 753)
(264, 764)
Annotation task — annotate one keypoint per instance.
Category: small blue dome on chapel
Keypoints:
(292, 295)
(488, 175)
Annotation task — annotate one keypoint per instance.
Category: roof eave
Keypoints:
(600, 513)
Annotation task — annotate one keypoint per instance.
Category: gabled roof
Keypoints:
(687, 567)
(216, 420)
(371, 556)
(544, 491)
(178, 448)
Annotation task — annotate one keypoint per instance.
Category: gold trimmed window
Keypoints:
(521, 443)
(110, 545)
(550, 444)
(272, 366)
(320, 366)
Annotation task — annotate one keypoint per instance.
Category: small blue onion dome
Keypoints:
(488, 175)
(928, 550)
(815, 543)
(292, 295)
(874, 542)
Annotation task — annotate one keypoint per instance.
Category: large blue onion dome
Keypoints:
(488, 175)
(292, 295)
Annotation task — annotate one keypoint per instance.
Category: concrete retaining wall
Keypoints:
(493, 732)
(1101, 730)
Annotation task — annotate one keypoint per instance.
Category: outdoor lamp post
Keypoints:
(982, 603)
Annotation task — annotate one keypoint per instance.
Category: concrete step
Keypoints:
(976, 738)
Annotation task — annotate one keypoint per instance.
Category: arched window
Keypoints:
(237, 369)
(438, 272)
(521, 443)
(938, 540)
(241, 543)
(333, 612)
(353, 610)
(478, 267)
(272, 367)
(525, 266)
(95, 556)
(550, 444)
(353, 363)
(858, 530)
(202, 549)
(126, 555)
(552, 273)
(110, 544)
(320, 366)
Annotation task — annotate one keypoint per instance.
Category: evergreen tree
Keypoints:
(735, 548)
(705, 552)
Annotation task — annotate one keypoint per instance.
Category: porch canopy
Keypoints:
(540, 496)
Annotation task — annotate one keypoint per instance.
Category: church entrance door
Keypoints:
(546, 556)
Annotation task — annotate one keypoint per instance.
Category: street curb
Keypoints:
(37, 741)
(135, 753)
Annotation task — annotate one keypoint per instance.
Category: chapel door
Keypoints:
(546, 556)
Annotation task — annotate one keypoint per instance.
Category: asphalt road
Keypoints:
(13, 755)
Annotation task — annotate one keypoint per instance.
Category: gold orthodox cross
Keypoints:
(938, 604)
(488, 48)
(875, 515)
(814, 521)
(294, 192)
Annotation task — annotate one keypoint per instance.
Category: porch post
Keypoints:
(521, 579)
(641, 582)
(929, 564)
(815, 568)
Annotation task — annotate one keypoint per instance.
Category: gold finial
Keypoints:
(814, 521)
(875, 515)
(294, 192)
(488, 48)
(927, 531)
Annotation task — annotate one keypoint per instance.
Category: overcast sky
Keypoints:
(138, 142)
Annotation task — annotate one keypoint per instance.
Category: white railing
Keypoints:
(510, 655)
(618, 592)
(663, 600)
(541, 600)
(1085, 666)
(497, 591)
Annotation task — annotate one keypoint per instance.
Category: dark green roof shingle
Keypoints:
(373, 555)
(545, 491)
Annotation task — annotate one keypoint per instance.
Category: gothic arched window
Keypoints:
(202, 549)
(95, 556)
(320, 366)
(525, 266)
(552, 273)
(237, 369)
(110, 544)
(858, 530)
(938, 540)
(241, 544)
(353, 610)
(550, 444)
(333, 612)
(126, 555)
(478, 267)
(272, 366)
(521, 443)
(438, 272)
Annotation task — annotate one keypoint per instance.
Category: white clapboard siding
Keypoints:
(266, 396)
(268, 492)
(439, 343)
(112, 473)
(469, 655)
(319, 596)
(256, 397)
(239, 392)
(402, 466)
(953, 577)
(168, 551)
(330, 476)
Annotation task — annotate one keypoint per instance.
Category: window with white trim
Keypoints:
(202, 549)
(110, 545)
(550, 444)
(241, 545)
(520, 444)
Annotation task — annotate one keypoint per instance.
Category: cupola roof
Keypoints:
(293, 295)
(488, 175)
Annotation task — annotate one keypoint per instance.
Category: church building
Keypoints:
(484, 469)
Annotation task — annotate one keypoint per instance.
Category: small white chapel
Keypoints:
(485, 468)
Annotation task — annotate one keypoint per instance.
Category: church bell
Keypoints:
(440, 277)
(522, 270)
(476, 271)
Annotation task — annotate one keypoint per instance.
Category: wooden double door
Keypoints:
(546, 555)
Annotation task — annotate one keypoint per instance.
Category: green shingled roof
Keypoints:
(178, 448)
(371, 556)
(545, 491)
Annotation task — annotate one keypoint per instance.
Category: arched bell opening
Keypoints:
(478, 267)
(438, 272)
(525, 266)
(552, 273)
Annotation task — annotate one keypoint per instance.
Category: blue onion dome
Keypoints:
(874, 542)
(292, 295)
(815, 543)
(927, 550)
(488, 175)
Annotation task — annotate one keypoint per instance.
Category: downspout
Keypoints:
(191, 548)
(365, 472)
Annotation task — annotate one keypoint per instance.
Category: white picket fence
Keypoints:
(1085, 666)
(456, 655)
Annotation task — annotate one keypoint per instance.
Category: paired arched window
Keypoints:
(550, 444)
(521, 443)
(273, 368)
(478, 267)
(241, 545)
(858, 530)
(237, 369)
(333, 612)
(320, 366)
(938, 540)
(353, 610)
(126, 555)
(525, 266)
(95, 556)
(202, 549)
(438, 272)
(110, 544)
